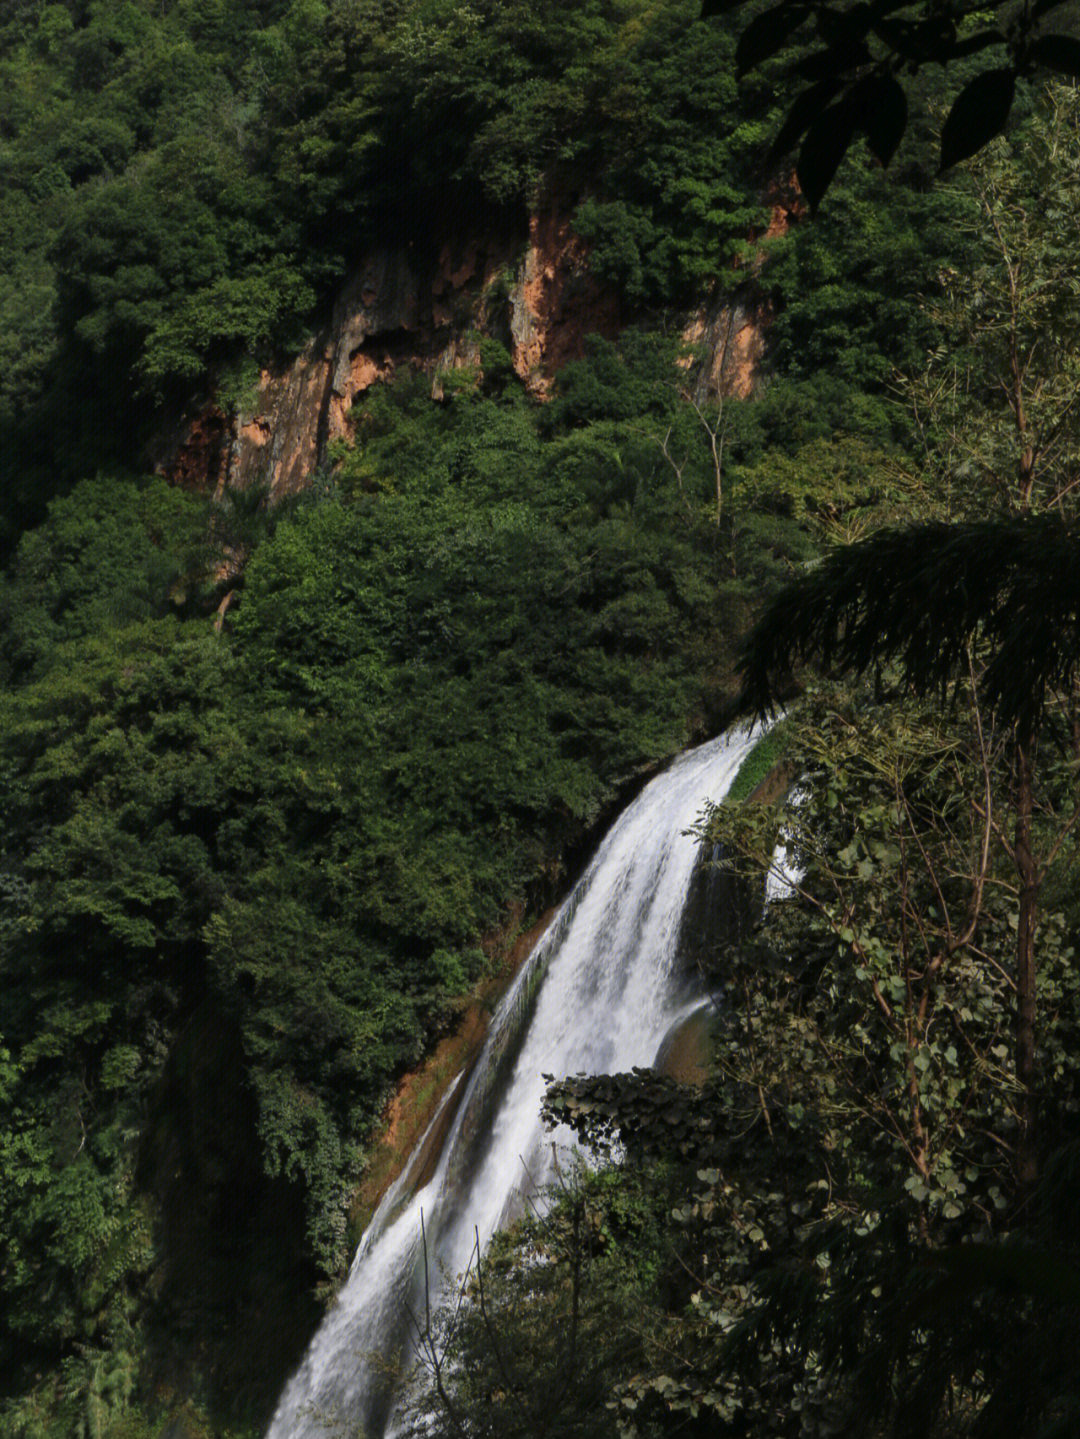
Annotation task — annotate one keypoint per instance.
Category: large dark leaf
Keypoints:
(919, 595)
(836, 61)
(1041, 7)
(1058, 52)
(825, 145)
(919, 41)
(709, 8)
(979, 113)
(880, 8)
(841, 27)
(972, 44)
(766, 34)
(807, 107)
(882, 111)
(1044, 1274)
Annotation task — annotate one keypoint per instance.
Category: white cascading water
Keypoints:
(598, 995)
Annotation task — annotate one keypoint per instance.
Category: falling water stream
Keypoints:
(598, 995)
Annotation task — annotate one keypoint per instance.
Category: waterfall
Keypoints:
(598, 995)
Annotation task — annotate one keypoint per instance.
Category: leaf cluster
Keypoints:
(922, 597)
(857, 53)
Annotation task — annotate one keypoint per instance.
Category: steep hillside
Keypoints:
(536, 295)
(405, 407)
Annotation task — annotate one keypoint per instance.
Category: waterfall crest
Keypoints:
(597, 995)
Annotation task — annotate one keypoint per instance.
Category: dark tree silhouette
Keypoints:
(919, 596)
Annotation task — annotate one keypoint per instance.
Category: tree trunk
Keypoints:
(1028, 875)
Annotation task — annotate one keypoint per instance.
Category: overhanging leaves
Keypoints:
(969, 1269)
(825, 145)
(920, 41)
(881, 107)
(1043, 7)
(877, 105)
(802, 114)
(1058, 52)
(765, 35)
(920, 596)
(978, 114)
(844, 27)
(894, 38)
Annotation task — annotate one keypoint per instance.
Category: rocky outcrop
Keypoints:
(687, 1050)
(730, 336)
(533, 291)
(731, 333)
(724, 903)
(721, 910)
(280, 440)
(556, 302)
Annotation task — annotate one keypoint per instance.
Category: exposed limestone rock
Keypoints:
(536, 294)
(721, 910)
(540, 300)
(195, 455)
(732, 332)
(686, 1052)
(723, 906)
(280, 441)
(732, 337)
(556, 302)
(463, 351)
(300, 411)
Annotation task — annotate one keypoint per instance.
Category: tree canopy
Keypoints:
(280, 785)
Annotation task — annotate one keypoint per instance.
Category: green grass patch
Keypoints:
(768, 752)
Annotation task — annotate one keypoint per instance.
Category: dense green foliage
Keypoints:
(800, 1273)
(182, 186)
(446, 666)
(248, 869)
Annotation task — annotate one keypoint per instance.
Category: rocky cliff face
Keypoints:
(732, 331)
(532, 291)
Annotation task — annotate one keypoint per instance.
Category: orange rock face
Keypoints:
(394, 312)
(199, 458)
(300, 409)
(731, 336)
(556, 303)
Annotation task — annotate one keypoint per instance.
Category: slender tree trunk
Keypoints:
(1028, 875)
(572, 1340)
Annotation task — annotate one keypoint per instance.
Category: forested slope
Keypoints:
(275, 778)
